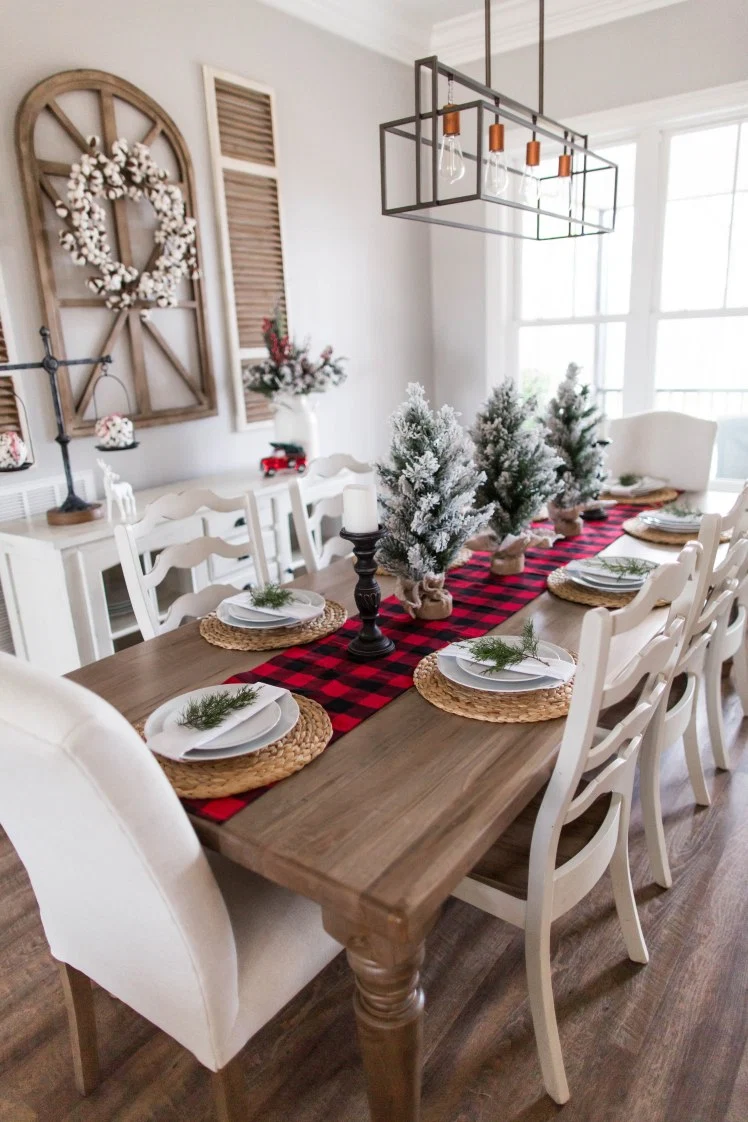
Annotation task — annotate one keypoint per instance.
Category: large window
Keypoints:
(657, 312)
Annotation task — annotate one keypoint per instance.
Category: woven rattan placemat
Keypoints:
(638, 529)
(664, 495)
(216, 778)
(500, 708)
(244, 639)
(561, 585)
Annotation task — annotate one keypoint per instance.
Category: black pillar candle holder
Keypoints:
(370, 641)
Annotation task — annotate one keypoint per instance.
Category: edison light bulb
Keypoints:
(529, 188)
(451, 159)
(496, 177)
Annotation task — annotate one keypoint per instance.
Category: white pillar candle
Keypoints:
(360, 515)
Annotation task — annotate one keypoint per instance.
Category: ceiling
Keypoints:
(454, 29)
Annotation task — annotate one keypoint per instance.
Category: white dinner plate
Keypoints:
(247, 614)
(255, 726)
(451, 669)
(595, 568)
(223, 611)
(218, 749)
(602, 586)
(476, 671)
(610, 579)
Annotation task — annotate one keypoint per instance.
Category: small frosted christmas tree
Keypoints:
(572, 422)
(428, 513)
(519, 468)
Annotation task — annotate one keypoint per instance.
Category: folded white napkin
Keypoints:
(551, 668)
(643, 487)
(176, 741)
(243, 607)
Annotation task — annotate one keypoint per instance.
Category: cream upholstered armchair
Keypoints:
(207, 951)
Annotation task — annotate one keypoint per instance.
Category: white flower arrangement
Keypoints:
(129, 173)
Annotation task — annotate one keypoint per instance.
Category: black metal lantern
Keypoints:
(447, 163)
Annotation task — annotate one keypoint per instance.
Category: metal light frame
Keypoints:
(493, 103)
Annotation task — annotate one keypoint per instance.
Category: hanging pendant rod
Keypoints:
(541, 53)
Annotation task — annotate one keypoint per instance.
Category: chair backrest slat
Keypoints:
(141, 582)
(317, 495)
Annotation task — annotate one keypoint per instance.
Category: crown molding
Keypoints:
(378, 26)
(697, 107)
(514, 24)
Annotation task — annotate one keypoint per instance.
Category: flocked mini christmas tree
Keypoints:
(572, 422)
(520, 473)
(427, 500)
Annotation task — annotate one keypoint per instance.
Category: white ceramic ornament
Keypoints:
(115, 431)
(12, 451)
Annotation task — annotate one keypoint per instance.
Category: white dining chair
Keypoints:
(667, 445)
(708, 630)
(577, 827)
(207, 951)
(142, 583)
(727, 641)
(319, 494)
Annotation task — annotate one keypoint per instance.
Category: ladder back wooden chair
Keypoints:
(194, 555)
(706, 633)
(205, 950)
(319, 494)
(577, 827)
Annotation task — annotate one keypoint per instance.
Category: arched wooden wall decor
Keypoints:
(161, 354)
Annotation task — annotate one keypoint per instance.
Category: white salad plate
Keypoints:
(274, 721)
(604, 586)
(595, 567)
(265, 622)
(670, 521)
(501, 681)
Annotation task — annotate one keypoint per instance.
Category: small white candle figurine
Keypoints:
(360, 514)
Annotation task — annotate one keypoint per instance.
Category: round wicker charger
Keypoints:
(664, 495)
(244, 639)
(215, 779)
(638, 529)
(500, 708)
(561, 585)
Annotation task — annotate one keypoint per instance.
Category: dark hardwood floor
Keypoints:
(659, 1043)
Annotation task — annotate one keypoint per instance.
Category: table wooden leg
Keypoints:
(389, 1012)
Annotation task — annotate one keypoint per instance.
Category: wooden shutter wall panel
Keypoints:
(10, 420)
(256, 251)
(245, 124)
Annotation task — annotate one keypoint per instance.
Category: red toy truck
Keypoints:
(285, 457)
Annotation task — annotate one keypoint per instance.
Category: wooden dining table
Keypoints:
(381, 827)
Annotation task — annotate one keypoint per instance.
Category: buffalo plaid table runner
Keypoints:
(352, 691)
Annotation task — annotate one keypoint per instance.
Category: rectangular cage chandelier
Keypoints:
(485, 162)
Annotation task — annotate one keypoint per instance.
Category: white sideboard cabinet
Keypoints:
(63, 588)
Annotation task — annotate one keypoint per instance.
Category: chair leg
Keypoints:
(649, 792)
(740, 675)
(693, 758)
(713, 691)
(623, 894)
(230, 1092)
(538, 966)
(82, 1023)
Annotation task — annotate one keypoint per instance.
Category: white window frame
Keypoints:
(219, 164)
(649, 125)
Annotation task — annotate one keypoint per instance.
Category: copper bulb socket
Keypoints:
(532, 159)
(451, 123)
(496, 138)
(564, 165)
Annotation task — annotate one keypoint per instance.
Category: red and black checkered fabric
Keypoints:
(352, 691)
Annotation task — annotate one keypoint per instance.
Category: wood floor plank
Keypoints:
(663, 1043)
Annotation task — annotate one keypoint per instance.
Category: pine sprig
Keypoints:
(271, 596)
(628, 479)
(211, 711)
(626, 566)
(500, 654)
(682, 510)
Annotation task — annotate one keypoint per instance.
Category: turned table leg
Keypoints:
(389, 1013)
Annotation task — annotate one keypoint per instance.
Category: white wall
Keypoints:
(690, 46)
(355, 279)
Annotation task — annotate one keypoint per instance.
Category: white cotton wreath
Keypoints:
(130, 173)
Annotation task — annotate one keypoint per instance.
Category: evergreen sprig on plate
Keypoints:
(629, 479)
(682, 510)
(626, 566)
(271, 596)
(500, 654)
(211, 711)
